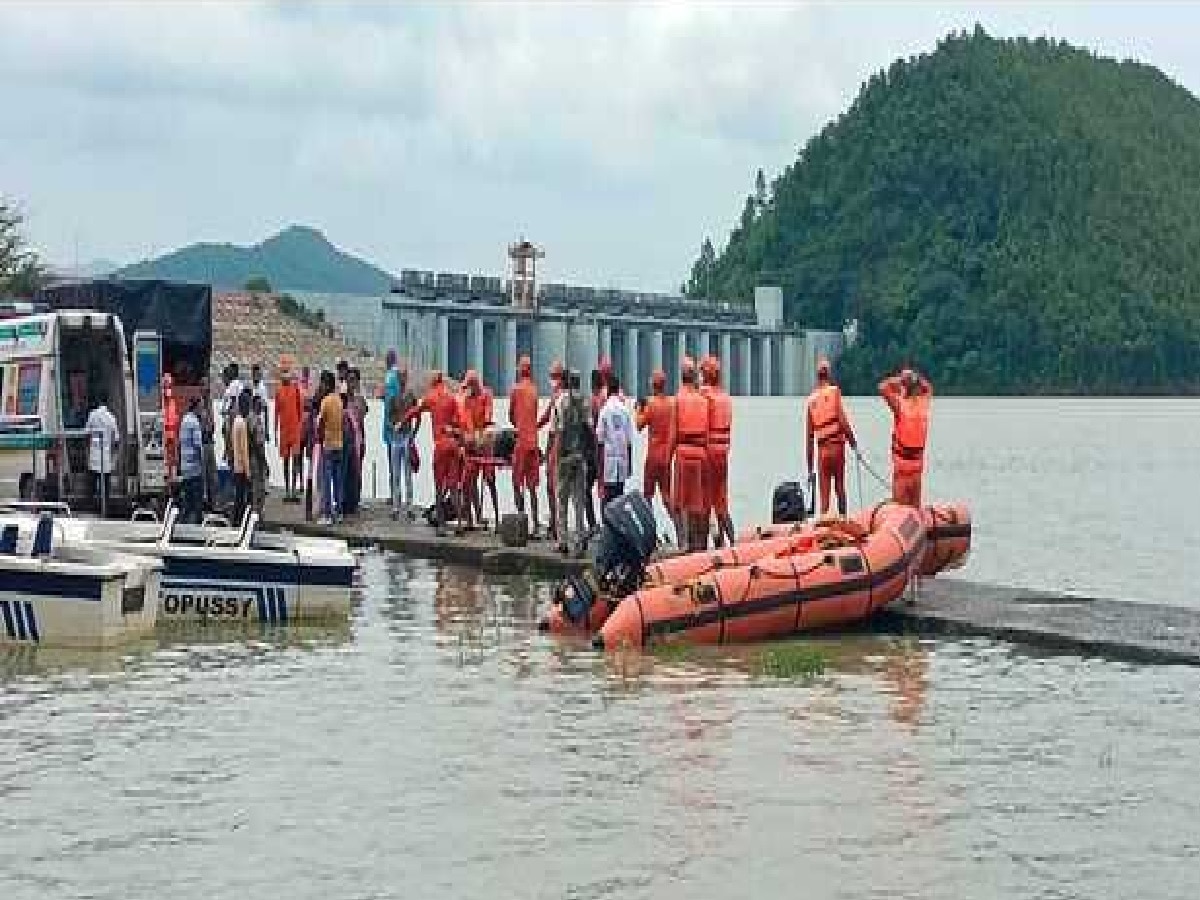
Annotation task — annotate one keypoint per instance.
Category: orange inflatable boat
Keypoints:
(781, 595)
(947, 529)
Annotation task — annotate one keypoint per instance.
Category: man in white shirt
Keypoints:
(104, 438)
(259, 387)
(614, 433)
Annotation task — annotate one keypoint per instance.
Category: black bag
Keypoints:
(788, 504)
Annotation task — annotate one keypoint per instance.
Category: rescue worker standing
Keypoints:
(477, 405)
(447, 454)
(720, 431)
(908, 395)
(170, 428)
(550, 416)
(828, 427)
(656, 416)
(691, 458)
(526, 460)
(576, 445)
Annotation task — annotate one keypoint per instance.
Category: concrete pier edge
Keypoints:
(1141, 633)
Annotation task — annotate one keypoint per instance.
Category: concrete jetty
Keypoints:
(1133, 632)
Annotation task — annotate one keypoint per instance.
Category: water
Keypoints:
(1092, 496)
(442, 748)
(439, 747)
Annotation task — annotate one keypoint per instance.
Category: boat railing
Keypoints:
(168, 526)
(36, 507)
(249, 524)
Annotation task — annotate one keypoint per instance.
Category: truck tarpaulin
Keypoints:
(181, 313)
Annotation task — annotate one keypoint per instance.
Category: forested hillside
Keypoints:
(1011, 215)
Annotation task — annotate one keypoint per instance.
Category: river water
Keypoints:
(438, 746)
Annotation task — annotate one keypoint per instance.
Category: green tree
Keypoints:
(20, 272)
(1011, 215)
(258, 284)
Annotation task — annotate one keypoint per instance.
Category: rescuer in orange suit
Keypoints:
(477, 406)
(691, 457)
(908, 395)
(443, 410)
(550, 417)
(720, 431)
(827, 426)
(527, 458)
(656, 416)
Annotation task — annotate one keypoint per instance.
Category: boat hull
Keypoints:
(40, 607)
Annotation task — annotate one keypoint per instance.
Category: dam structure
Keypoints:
(456, 322)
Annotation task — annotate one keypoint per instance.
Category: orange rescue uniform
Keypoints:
(476, 416)
(691, 451)
(523, 413)
(828, 425)
(443, 410)
(289, 413)
(720, 430)
(910, 430)
(658, 418)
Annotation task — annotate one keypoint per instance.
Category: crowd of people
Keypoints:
(586, 455)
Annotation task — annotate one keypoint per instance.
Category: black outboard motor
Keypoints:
(628, 539)
(504, 443)
(788, 504)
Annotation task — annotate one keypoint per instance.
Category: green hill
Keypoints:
(296, 259)
(1011, 215)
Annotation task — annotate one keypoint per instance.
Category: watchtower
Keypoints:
(523, 257)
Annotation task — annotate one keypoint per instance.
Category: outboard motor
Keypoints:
(788, 504)
(504, 442)
(628, 539)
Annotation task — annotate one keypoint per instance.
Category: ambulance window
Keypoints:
(29, 384)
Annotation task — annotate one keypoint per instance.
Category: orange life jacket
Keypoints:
(656, 417)
(720, 418)
(909, 434)
(523, 411)
(825, 411)
(691, 418)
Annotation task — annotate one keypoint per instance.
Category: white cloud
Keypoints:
(615, 134)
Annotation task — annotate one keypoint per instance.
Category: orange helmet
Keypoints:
(658, 379)
(525, 366)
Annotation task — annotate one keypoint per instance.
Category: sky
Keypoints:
(617, 136)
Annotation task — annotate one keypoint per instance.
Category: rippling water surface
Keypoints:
(440, 747)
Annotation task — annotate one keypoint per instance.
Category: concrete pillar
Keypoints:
(604, 332)
(442, 360)
(656, 348)
(766, 367)
(508, 362)
(731, 383)
(747, 360)
(475, 348)
(704, 342)
(631, 376)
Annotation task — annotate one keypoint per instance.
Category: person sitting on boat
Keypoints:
(828, 427)
(104, 441)
(691, 457)
(191, 464)
(656, 416)
(720, 432)
(908, 395)
(527, 459)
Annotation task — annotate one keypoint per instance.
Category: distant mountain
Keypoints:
(296, 259)
(97, 268)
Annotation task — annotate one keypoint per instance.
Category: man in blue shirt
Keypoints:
(191, 464)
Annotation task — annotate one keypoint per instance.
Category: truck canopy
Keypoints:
(181, 313)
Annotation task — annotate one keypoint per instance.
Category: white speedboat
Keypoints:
(68, 594)
(227, 574)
